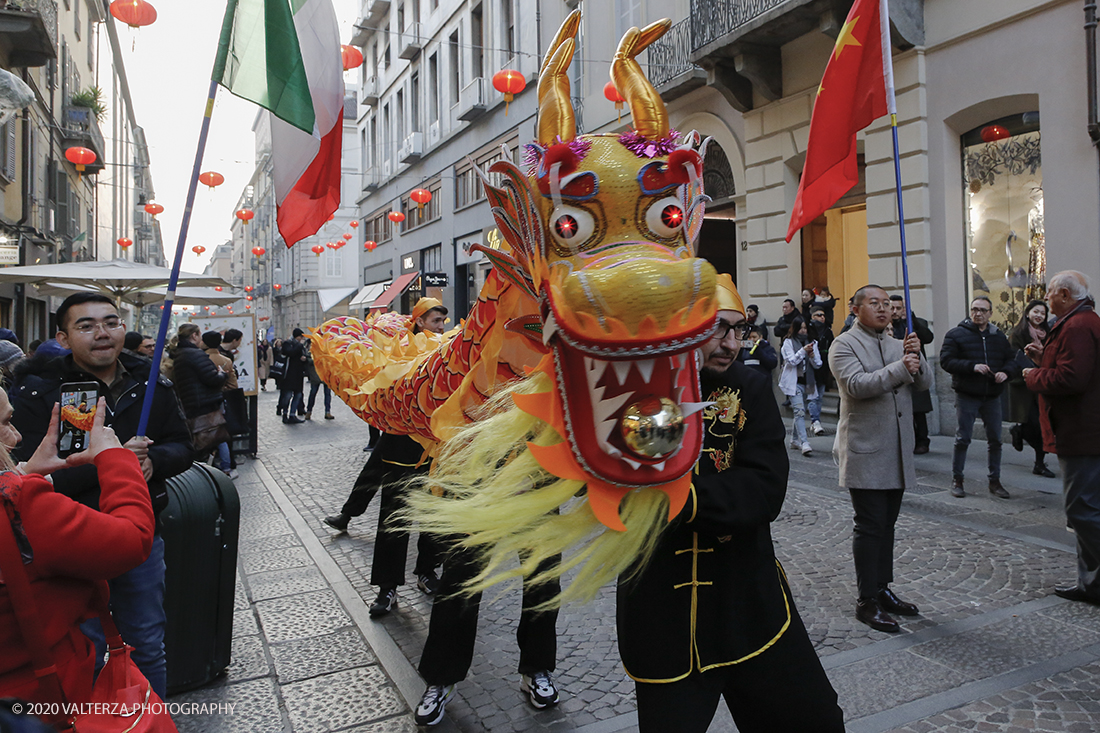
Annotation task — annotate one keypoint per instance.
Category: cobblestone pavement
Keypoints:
(993, 649)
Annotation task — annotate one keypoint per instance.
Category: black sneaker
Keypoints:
(433, 703)
(339, 522)
(540, 689)
(428, 583)
(384, 603)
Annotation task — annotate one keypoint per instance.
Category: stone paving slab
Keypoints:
(339, 700)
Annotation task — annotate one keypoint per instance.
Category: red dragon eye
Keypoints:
(672, 216)
(566, 226)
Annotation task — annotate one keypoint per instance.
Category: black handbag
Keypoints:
(278, 367)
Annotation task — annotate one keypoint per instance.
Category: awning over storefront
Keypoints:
(400, 285)
(368, 295)
(331, 297)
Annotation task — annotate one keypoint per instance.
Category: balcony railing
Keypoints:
(80, 127)
(30, 29)
(713, 19)
(669, 56)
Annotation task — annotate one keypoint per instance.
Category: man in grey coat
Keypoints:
(876, 374)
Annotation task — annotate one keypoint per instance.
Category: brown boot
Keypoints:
(996, 489)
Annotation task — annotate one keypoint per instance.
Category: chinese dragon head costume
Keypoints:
(563, 413)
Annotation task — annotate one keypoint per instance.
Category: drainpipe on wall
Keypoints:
(19, 317)
(1090, 60)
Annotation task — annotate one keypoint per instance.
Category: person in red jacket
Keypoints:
(1068, 383)
(67, 547)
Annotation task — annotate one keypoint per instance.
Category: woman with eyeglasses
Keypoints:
(1023, 404)
(800, 358)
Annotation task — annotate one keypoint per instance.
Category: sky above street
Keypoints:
(169, 65)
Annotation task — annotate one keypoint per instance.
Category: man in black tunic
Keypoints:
(711, 615)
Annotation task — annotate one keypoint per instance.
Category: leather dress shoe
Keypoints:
(890, 602)
(1017, 437)
(870, 612)
(1042, 470)
(1073, 592)
(920, 449)
(338, 522)
(997, 490)
(957, 488)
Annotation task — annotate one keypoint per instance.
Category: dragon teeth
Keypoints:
(690, 408)
(622, 369)
(645, 368)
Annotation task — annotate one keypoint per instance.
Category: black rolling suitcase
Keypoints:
(200, 527)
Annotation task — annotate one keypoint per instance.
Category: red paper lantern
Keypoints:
(125, 242)
(612, 93)
(246, 215)
(258, 251)
(354, 224)
(277, 286)
(248, 288)
(351, 57)
(993, 133)
(369, 245)
(396, 217)
(421, 196)
(198, 249)
(153, 208)
(331, 217)
(509, 82)
(347, 236)
(317, 249)
(218, 288)
(134, 13)
(248, 297)
(248, 306)
(212, 179)
(80, 157)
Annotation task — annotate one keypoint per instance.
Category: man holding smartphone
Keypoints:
(89, 325)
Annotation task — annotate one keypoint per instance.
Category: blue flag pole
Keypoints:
(170, 296)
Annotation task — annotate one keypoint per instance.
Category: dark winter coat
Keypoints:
(964, 347)
(713, 593)
(1020, 398)
(760, 357)
(295, 365)
(784, 324)
(198, 381)
(33, 402)
(1068, 383)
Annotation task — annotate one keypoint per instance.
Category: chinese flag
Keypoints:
(851, 96)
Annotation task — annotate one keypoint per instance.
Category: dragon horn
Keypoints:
(556, 117)
(646, 106)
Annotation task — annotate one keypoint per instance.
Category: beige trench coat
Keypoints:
(874, 440)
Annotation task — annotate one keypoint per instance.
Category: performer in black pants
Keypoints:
(395, 460)
(449, 650)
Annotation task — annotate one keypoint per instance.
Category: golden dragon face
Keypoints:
(602, 226)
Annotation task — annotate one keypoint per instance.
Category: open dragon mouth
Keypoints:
(631, 422)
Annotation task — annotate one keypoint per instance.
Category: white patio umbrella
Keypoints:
(120, 279)
(140, 298)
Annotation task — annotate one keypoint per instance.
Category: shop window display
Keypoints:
(1005, 245)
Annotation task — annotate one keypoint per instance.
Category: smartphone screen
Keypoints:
(78, 404)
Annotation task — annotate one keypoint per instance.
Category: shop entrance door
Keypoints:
(834, 253)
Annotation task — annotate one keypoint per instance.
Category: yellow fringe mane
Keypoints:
(486, 487)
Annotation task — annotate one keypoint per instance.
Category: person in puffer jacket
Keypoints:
(980, 361)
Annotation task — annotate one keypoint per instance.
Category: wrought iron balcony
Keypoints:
(671, 71)
(713, 20)
(30, 27)
(80, 127)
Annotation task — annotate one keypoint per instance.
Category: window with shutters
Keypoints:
(334, 264)
(7, 150)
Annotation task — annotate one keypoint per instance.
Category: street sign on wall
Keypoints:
(9, 254)
(436, 279)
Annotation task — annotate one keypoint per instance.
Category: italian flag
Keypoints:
(284, 55)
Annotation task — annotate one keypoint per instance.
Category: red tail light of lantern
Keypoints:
(370, 245)
(212, 179)
(396, 217)
(509, 82)
(354, 224)
(351, 56)
(612, 93)
(246, 215)
(198, 249)
(258, 251)
(421, 196)
(317, 249)
(154, 209)
(80, 157)
(124, 242)
(134, 13)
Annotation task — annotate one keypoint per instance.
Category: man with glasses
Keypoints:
(876, 375)
(979, 359)
(711, 615)
(89, 325)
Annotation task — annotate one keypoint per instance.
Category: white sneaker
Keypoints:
(818, 428)
(807, 450)
(232, 473)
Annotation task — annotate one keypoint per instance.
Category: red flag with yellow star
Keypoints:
(853, 93)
